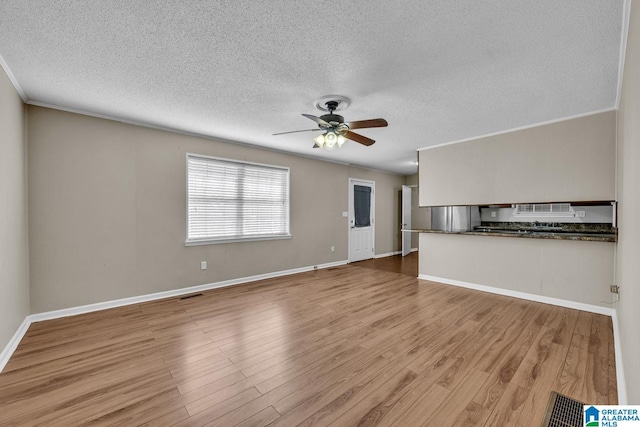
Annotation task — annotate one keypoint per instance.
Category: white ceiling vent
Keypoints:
(544, 209)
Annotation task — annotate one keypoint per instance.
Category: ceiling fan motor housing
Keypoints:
(336, 131)
(332, 118)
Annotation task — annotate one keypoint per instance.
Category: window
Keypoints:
(229, 200)
(544, 209)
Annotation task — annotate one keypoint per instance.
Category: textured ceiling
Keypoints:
(438, 71)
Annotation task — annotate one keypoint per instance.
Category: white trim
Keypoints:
(523, 295)
(16, 85)
(387, 254)
(11, 346)
(6, 354)
(617, 344)
(620, 379)
(173, 130)
(237, 165)
(392, 253)
(242, 162)
(200, 135)
(626, 14)
(175, 292)
(235, 240)
(406, 195)
(548, 122)
(372, 184)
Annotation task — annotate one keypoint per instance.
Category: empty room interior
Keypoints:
(318, 213)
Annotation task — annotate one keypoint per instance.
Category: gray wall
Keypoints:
(107, 212)
(569, 160)
(628, 268)
(14, 255)
(566, 269)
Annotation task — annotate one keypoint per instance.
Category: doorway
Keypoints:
(361, 219)
(406, 219)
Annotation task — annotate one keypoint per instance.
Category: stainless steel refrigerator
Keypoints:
(455, 218)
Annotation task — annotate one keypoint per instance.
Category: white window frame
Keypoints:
(218, 240)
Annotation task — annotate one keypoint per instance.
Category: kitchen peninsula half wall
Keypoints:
(568, 270)
(572, 162)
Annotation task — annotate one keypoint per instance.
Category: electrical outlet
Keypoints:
(615, 289)
(203, 265)
(345, 214)
(493, 214)
(580, 214)
(333, 248)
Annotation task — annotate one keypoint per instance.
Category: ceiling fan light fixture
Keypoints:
(330, 140)
(319, 140)
(336, 130)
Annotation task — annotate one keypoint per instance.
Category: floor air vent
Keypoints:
(563, 411)
(191, 296)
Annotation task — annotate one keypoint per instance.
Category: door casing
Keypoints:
(351, 222)
(406, 219)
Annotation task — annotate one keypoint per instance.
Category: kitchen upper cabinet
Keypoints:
(451, 181)
(573, 160)
(519, 176)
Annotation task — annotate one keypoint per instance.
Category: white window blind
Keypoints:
(544, 209)
(230, 200)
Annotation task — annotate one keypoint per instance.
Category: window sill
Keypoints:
(234, 240)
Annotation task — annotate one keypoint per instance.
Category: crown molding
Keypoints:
(194, 134)
(548, 122)
(13, 79)
(626, 16)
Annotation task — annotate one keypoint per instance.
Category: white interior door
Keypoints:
(406, 219)
(361, 219)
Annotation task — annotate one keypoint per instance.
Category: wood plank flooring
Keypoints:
(397, 264)
(344, 346)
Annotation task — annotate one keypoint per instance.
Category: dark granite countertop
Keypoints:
(584, 232)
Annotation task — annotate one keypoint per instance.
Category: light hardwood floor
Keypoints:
(344, 346)
(396, 264)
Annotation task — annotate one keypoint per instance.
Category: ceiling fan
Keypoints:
(336, 130)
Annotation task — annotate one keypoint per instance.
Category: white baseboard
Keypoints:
(174, 292)
(56, 314)
(523, 295)
(6, 354)
(617, 344)
(620, 379)
(392, 253)
(387, 254)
